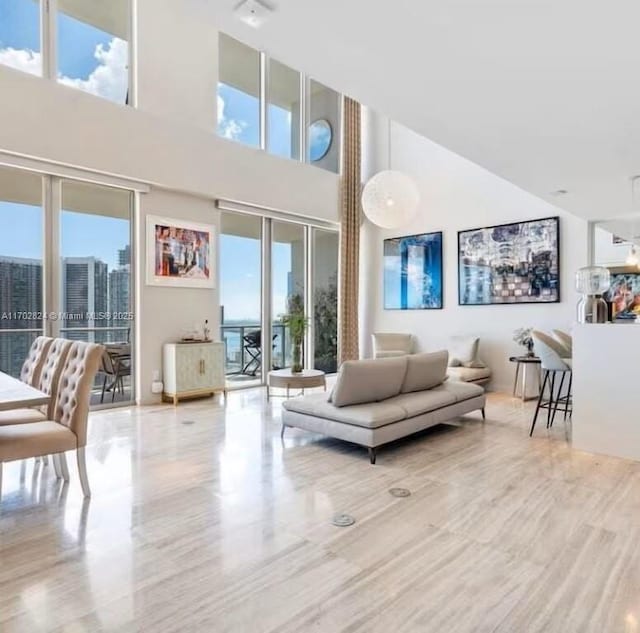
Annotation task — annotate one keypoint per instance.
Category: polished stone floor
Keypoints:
(202, 520)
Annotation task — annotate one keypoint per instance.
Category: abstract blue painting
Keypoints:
(413, 272)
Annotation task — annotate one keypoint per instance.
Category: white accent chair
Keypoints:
(388, 345)
(464, 363)
(565, 340)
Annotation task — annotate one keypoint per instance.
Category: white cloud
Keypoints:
(229, 128)
(109, 79)
(25, 60)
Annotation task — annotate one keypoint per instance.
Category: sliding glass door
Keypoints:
(241, 297)
(95, 280)
(271, 268)
(325, 300)
(288, 271)
(84, 265)
(21, 271)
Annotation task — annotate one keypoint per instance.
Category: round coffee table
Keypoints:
(525, 361)
(286, 379)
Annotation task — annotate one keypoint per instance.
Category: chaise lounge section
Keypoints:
(375, 402)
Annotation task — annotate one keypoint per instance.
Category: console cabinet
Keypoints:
(192, 370)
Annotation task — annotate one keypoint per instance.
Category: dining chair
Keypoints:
(553, 360)
(115, 365)
(67, 429)
(48, 378)
(34, 362)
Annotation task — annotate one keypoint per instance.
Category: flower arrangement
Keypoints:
(522, 336)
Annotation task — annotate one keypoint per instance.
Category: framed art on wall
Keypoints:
(413, 272)
(510, 263)
(179, 253)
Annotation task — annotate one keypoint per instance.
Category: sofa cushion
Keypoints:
(469, 374)
(461, 390)
(463, 349)
(420, 402)
(425, 371)
(362, 381)
(371, 415)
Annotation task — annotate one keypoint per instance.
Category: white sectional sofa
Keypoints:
(377, 401)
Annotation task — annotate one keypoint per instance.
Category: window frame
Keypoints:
(305, 110)
(48, 10)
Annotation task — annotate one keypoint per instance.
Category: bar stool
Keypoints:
(554, 360)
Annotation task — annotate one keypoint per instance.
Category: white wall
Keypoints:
(165, 313)
(457, 194)
(169, 141)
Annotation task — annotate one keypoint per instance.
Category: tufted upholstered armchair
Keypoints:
(67, 429)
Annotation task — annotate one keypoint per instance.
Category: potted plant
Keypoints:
(522, 336)
(296, 322)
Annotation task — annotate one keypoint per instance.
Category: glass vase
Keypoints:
(296, 357)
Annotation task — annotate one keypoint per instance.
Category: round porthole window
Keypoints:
(320, 138)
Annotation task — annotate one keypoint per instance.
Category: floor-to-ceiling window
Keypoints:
(269, 268)
(325, 300)
(288, 269)
(95, 278)
(241, 297)
(85, 265)
(238, 92)
(21, 270)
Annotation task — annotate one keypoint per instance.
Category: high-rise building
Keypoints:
(20, 292)
(85, 296)
(124, 256)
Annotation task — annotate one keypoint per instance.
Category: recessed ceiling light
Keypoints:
(253, 13)
(559, 192)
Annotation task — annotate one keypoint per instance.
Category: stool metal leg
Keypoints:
(566, 403)
(552, 391)
(535, 417)
(555, 406)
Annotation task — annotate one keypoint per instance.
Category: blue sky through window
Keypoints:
(88, 58)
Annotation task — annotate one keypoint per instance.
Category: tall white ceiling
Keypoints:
(544, 93)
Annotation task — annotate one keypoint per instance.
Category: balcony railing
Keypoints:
(241, 359)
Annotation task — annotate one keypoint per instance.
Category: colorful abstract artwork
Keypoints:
(413, 272)
(510, 263)
(179, 253)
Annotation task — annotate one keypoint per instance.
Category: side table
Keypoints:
(286, 379)
(525, 361)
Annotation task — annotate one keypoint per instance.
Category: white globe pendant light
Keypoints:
(390, 198)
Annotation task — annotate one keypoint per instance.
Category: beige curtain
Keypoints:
(350, 233)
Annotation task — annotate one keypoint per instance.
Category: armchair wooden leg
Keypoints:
(64, 469)
(372, 455)
(82, 471)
